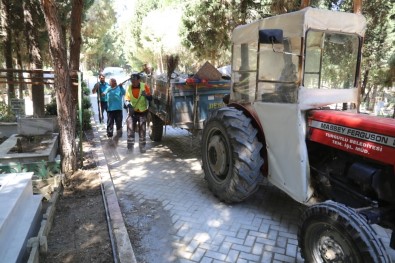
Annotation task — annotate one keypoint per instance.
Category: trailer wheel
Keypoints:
(155, 127)
(231, 155)
(332, 232)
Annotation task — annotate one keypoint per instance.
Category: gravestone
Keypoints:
(18, 107)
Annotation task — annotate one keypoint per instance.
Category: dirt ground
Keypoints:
(79, 232)
(31, 143)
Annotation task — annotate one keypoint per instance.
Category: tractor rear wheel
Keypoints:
(231, 155)
(155, 127)
(333, 232)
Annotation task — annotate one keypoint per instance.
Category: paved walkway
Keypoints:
(199, 227)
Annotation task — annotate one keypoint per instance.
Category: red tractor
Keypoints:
(292, 118)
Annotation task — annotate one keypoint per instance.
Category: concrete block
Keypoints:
(31, 242)
(8, 128)
(37, 126)
(46, 154)
(20, 212)
(34, 254)
(43, 244)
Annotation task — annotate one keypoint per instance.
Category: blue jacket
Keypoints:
(114, 97)
(102, 89)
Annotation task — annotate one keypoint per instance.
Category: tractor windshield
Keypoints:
(270, 72)
(331, 60)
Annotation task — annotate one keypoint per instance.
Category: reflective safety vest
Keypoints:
(141, 104)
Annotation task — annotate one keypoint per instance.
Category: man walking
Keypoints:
(137, 99)
(114, 96)
(100, 87)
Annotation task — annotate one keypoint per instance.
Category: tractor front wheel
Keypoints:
(231, 155)
(332, 232)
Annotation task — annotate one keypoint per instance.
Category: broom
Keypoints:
(171, 64)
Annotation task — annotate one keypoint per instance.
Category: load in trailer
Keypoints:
(292, 118)
(183, 105)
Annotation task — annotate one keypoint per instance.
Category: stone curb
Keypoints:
(39, 244)
(123, 247)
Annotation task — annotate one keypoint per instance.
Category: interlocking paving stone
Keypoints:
(261, 229)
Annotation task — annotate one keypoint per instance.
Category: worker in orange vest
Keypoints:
(137, 98)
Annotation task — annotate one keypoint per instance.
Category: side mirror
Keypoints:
(270, 36)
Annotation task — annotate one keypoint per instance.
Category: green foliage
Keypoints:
(159, 36)
(98, 47)
(6, 115)
(391, 61)
(42, 170)
(147, 38)
(135, 52)
(377, 44)
(45, 169)
(207, 36)
(51, 108)
(86, 110)
(144, 7)
(86, 102)
(19, 168)
(86, 124)
(85, 90)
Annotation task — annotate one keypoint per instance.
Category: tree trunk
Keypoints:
(65, 106)
(374, 95)
(35, 59)
(75, 43)
(283, 6)
(367, 99)
(7, 47)
(242, 12)
(22, 86)
(357, 7)
(305, 3)
(365, 81)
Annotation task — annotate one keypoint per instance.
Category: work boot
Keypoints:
(130, 144)
(142, 149)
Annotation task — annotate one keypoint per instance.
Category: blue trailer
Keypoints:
(183, 105)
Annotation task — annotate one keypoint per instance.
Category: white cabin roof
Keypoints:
(296, 24)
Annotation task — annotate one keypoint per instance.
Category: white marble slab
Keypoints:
(20, 212)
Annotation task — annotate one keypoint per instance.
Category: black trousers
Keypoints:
(113, 116)
(137, 122)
